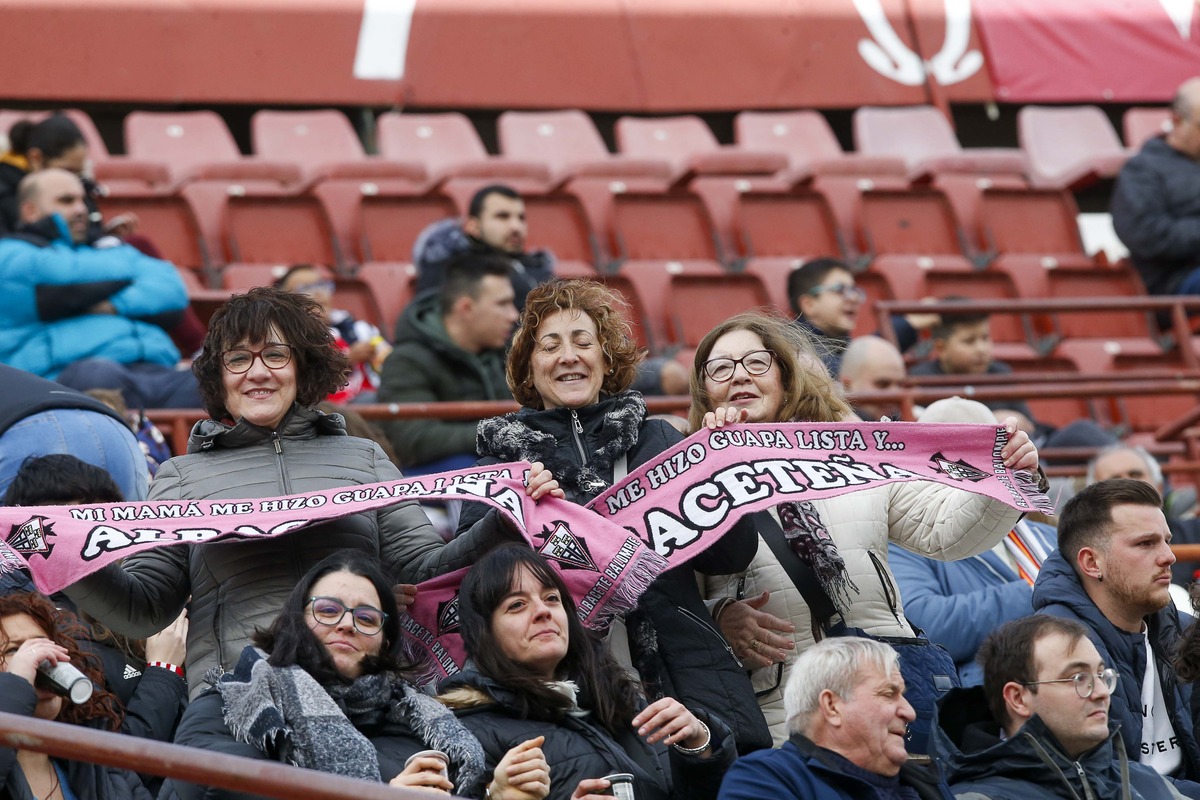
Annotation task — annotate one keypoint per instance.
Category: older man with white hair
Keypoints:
(847, 717)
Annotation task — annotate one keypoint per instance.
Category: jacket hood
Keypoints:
(300, 423)
(422, 323)
(440, 242)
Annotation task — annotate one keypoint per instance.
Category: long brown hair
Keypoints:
(809, 394)
(64, 628)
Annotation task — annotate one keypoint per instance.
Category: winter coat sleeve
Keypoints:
(770, 774)
(694, 778)
(203, 727)
(16, 697)
(413, 550)
(959, 621)
(946, 523)
(154, 709)
(143, 594)
(1142, 219)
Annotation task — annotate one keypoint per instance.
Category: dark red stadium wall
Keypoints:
(601, 55)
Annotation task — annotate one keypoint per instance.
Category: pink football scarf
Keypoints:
(661, 515)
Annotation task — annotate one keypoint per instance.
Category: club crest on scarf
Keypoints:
(958, 470)
(447, 616)
(32, 537)
(565, 548)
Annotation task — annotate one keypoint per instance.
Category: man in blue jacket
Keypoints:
(848, 719)
(1111, 573)
(88, 317)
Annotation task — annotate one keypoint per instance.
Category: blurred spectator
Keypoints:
(145, 676)
(958, 603)
(327, 680)
(32, 630)
(826, 302)
(90, 318)
(872, 364)
(1040, 729)
(1126, 461)
(361, 341)
(962, 345)
(267, 360)
(149, 437)
(449, 346)
(39, 417)
(847, 721)
(1112, 572)
(535, 671)
(1155, 205)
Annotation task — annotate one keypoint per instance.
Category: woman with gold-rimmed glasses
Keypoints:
(268, 360)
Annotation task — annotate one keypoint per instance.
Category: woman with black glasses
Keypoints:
(268, 360)
(325, 688)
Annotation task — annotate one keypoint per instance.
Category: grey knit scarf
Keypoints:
(285, 713)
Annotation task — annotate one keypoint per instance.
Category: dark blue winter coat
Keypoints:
(958, 603)
(1058, 592)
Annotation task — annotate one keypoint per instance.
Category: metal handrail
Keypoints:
(203, 767)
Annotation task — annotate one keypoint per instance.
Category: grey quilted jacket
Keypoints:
(237, 586)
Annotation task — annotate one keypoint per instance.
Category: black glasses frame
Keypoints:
(383, 617)
(735, 361)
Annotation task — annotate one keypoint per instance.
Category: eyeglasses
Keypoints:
(847, 290)
(240, 359)
(367, 620)
(756, 362)
(1085, 682)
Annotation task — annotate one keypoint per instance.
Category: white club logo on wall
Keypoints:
(886, 53)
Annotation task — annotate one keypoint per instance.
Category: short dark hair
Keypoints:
(321, 369)
(809, 276)
(607, 309)
(475, 208)
(289, 642)
(1085, 519)
(58, 479)
(1006, 655)
(950, 322)
(612, 697)
(464, 274)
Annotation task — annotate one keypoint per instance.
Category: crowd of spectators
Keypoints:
(768, 666)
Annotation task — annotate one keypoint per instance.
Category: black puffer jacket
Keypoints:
(87, 781)
(577, 747)
(1031, 765)
(675, 646)
(238, 586)
(1156, 212)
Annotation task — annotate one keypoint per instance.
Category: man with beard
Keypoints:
(1111, 573)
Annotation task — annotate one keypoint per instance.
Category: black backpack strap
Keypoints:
(820, 605)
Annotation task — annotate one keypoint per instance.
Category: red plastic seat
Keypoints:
(809, 144)
(1143, 124)
(283, 228)
(168, 220)
(568, 143)
(448, 146)
(773, 274)
(795, 224)
(240, 277)
(912, 228)
(559, 223)
(1029, 232)
(198, 145)
(389, 222)
(688, 144)
(674, 225)
(699, 302)
(922, 136)
(877, 286)
(653, 280)
(392, 286)
(324, 145)
(1069, 147)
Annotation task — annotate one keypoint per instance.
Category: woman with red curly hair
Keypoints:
(32, 630)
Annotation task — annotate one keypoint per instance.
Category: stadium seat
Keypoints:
(797, 224)
(171, 221)
(1070, 147)
(356, 296)
(283, 228)
(568, 143)
(1142, 124)
(922, 136)
(240, 277)
(653, 280)
(674, 225)
(389, 222)
(688, 144)
(916, 228)
(772, 273)
(197, 145)
(809, 144)
(392, 286)
(324, 145)
(449, 147)
(878, 287)
(1028, 232)
(697, 303)
(559, 223)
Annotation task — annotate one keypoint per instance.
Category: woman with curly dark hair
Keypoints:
(572, 362)
(268, 360)
(32, 630)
